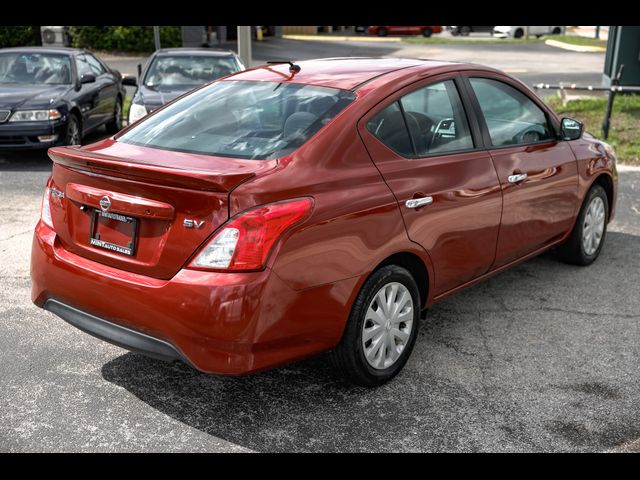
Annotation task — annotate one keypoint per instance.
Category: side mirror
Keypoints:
(88, 78)
(571, 129)
(131, 81)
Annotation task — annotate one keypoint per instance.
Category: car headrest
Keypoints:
(297, 123)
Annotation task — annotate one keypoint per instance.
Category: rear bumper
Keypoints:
(114, 333)
(224, 323)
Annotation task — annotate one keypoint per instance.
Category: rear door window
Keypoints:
(427, 121)
(436, 120)
(390, 127)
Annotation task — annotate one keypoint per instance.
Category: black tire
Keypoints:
(573, 251)
(115, 124)
(465, 31)
(455, 33)
(427, 32)
(519, 33)
(382, 32)
(556, 31)
(349, 357)
(73, 135)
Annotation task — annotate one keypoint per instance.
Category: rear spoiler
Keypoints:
(77, 159)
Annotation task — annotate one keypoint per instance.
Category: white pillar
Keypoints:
(244, 45)
(156, 37)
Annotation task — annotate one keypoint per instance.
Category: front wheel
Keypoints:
(587, 237)
(381, 330)
(115, 125)
(382, 32)
(427, 32)
(74, 133)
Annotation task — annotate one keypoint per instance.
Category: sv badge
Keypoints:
(192, 223)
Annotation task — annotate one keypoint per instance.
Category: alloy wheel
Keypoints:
(73, 133)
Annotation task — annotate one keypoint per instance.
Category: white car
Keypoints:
(506, 31)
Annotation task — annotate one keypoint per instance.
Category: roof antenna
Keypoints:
(293, 68)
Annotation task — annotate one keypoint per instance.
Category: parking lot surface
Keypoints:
(543, 357)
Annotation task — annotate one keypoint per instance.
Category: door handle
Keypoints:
(517, 178)
(418, 202)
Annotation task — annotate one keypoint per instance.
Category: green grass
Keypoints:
(125, 109)
(468, 40)
(624, 132)
(573, 40)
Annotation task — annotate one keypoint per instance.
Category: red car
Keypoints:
(288, 210)
(425, 31)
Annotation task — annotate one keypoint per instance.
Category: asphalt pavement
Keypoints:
(543, 357)
(532, 63)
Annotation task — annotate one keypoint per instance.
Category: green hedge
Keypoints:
(19, 36)
(134, 39)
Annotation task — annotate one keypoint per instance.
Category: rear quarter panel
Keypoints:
(356, 222)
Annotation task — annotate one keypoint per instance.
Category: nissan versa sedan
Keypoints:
(316, 206)
(55, 96)
(170, 72)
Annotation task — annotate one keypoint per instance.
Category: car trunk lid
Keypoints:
(141, 209)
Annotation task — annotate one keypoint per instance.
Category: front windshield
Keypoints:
(241, 119)
(183, 70)
(35, 68)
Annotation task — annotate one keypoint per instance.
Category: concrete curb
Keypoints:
(337, 38)
(627, 168)
(574, 48)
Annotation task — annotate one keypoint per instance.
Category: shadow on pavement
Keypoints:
(486, 374)
(38, 160)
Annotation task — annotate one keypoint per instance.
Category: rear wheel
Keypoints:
(382, 32)
(518, 33)
(465, 31)
(381, 330)
(73, 135)
(427, 32)
(115, 125)
(587, 237)
(556, 31)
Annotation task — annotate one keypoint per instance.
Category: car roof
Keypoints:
(213, 52)
(66, 50)
(344, 72)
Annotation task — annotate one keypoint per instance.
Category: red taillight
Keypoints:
(245, 242)
(45, 210)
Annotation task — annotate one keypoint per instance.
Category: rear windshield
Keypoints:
(241, 119)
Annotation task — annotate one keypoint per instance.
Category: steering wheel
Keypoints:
(444, 124)
(529, 135)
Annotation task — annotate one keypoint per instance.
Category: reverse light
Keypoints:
(245, 242)
(45, 211)
(35, 115)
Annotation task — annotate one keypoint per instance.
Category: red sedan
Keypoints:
(425, 30)
(288, 210)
